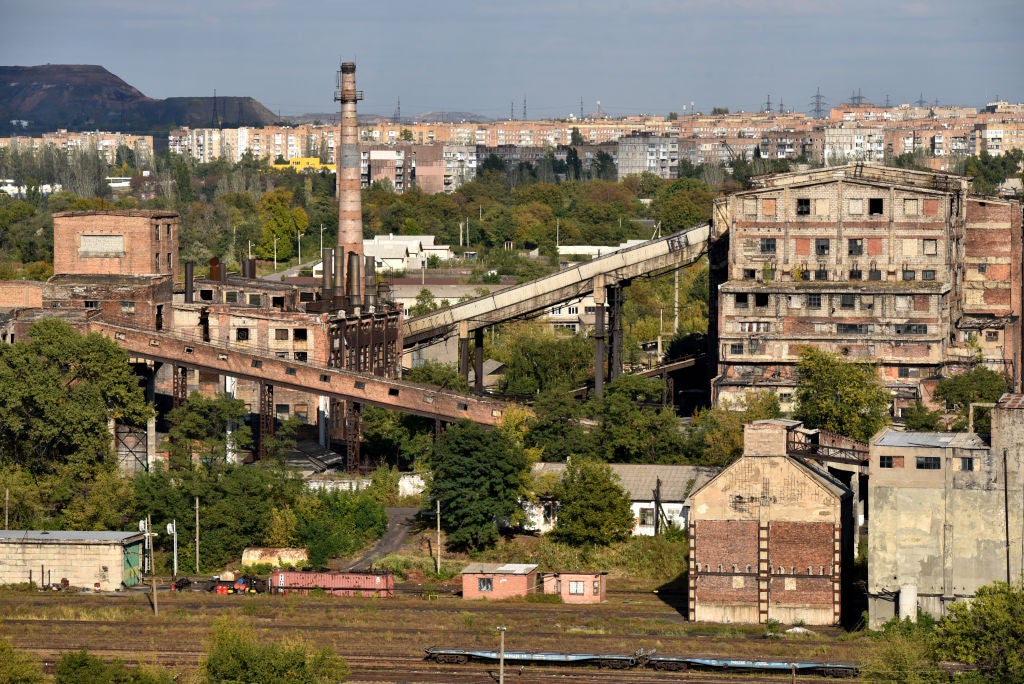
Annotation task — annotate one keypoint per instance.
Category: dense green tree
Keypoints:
(396, 438)
(840, 396)
(920, 419)
(986, 632)
(19, 667)
(716, 434)
(904, 653)
(208, 429)
(682, 204)
(236, 653)
(604, 167)
(632, 428)
(424, 303)
(593, 508)
(280, 219)
(537, 359)
(978, 385)
(444, 375)
(575, 137)
(479, 477)
(81, 667)
(555, 428)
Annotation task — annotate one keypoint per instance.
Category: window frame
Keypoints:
(484, 584)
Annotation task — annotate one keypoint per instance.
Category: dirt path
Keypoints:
(399, 526)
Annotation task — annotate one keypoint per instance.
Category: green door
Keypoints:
(132, 564)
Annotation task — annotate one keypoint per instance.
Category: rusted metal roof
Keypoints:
(1011, 400)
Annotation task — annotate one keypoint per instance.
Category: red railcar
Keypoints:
(334, 583)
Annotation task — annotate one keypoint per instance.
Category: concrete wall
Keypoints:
(83, 564)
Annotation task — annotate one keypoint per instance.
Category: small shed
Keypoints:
(576, 587)
(498, 581)
(104, 561)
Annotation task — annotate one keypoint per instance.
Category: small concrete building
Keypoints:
(946, 515)
(104, 561)
(497, 581)
(770, 536)
(576, 587)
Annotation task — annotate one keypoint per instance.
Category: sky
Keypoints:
(487, 57)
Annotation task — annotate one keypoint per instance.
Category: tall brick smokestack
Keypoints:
(350, 209)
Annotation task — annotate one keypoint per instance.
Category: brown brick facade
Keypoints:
(116, 243)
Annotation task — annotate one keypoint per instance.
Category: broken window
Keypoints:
(928, 463)
(847, 301)
(853, 328)
(127, 307)
(876, 206)
(803, 207)
(909, 372)
(300, 334)
(991, 335)
(910, 329)
(767, 245)
(741, 300)
(821, 246)
(982, 268)
(241, 334)
(485, 584)
(821, 274)
(647, 516)
(855, 247)
(761, 299)
(206, 295)
(301, 356)
(749, 274)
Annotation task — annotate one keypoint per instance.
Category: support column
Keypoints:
(323, 421)
(266, 418)
(464, 349)
(151, 437)
(179, 385)
(478, 360)
(599, 336)
(353, 428)
(615, 321)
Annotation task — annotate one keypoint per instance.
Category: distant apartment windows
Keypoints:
(874, 274)
(928, 463)
(910, 207)
(767, 245)
(876, 206)
(485, 584)
(855, 247)
(856, 274)
(803, 207)
(755, 326)
(856, 206)
(749, 274)
(982, 268)
(281, 334)
(821, 246)
(885, 461)
(761, 299)
(242, 334)
(847, 301)
(967, 464)
(742, 299)
(128, 308)
(910, 329)
(853, 328)
(736, 348)
(814, 301)
(928, 274)
(909, 372)
(929, 247)
(909, 275)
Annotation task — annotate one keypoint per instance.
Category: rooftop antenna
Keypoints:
(818, 103)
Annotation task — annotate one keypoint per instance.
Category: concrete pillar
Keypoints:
(599, 335)
(464, 349)
(478, 360)
(323, 421)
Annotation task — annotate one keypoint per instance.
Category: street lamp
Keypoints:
(276, 238)
(501, 655)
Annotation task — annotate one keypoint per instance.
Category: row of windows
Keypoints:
(924, 462)
(854, 274)
(854, 246)
(873, 206)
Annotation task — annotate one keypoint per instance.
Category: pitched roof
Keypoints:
(640, 480)
(499, 568)
(37, 536)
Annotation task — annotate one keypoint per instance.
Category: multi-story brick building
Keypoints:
(902, 268)
(771, 537)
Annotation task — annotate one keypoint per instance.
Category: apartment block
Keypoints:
(901, 268)
(648, 154)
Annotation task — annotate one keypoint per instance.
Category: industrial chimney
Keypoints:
(350, 210)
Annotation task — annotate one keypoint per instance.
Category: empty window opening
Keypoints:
(485, 584)
(741, 300)
(821, 246)
(749, 274)
(206, 295)
(856, 275)
(803, 207)
(876, 206)
(300, 334)
(855, 247)
(241, 334)
(761, 299)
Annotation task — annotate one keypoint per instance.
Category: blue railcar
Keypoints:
(614, 661)
(824, 669)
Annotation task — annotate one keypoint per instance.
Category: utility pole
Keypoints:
(438, 536)
(321, 238)
(172, 529)
(501, 656)
(197, 535)
(276, 238)
(298, 242)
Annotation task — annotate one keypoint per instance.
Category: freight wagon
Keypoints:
(370, 584)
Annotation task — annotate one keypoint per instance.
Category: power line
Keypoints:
(818, 103)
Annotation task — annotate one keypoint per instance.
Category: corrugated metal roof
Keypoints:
(499, 568)
(67, 536)
(678, 482)
(932, 440)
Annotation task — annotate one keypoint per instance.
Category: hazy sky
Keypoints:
(482, 56)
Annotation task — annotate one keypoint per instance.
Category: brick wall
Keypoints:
(116, 243)
(503, 586)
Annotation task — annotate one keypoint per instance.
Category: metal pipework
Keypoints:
(354, 280)
(327, 276)
(339, 277)
(370, 288)
(189, 281)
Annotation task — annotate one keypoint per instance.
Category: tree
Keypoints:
(555, 428)
(919, 418)
(840, 396)
(238, 654)
(444, 375)
(536, 359)
(978, 385)
(479, 477)
(986, 632)
(81, 667)
(716, 435)
(593, 508)
(208, 429)
(575, 137)
(424, 303)
(631, 428)
(19, 667)
(905, 653)
(604, 167)
(278, 218)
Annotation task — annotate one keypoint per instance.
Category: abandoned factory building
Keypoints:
(874, 263)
